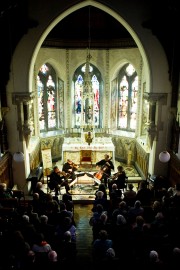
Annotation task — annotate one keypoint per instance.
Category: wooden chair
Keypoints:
(86, 157)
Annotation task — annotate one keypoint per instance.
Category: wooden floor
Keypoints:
(82, 214)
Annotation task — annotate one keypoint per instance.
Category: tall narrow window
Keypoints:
(78, 90)
(49, 100)
(127, 98)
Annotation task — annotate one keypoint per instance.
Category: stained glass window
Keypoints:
(50, 99)
(78, 90)
(127, 98)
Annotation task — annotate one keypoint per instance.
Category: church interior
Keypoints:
(85, 79)
(91, 87)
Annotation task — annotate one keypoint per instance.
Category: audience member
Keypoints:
(130, 195)
(144, 194)
(99, 199)
(5, 192)
(102, 188)
(101, 245)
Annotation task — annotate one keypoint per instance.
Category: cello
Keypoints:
(102, 171)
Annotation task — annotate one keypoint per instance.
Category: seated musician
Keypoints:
(118, 178)
(58, 179)
(69, 167)
(106, 167)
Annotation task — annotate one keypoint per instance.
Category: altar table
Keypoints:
(72, 147)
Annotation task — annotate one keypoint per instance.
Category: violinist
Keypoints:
(69, 167)
(106, 167)
(118, 178)
(58, 179)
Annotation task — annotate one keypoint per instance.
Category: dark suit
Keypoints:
(106, 167)
(56, 181)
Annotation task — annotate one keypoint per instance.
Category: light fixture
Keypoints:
(18, 157)
(164, 156)
(87, 117)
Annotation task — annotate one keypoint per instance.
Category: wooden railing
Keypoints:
(142, 161)
(6, 170)
(174, 169)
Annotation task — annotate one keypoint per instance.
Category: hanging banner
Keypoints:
(47, 160)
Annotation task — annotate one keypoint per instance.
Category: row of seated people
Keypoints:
(145, 236)
(42, 234)
(10, 199)
(144, 194)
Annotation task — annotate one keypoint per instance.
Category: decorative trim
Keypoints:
(155, 97)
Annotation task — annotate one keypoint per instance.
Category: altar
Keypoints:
(72, 147)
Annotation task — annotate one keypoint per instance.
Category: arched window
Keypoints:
(50, 99)
(96, 84)
(127, 98)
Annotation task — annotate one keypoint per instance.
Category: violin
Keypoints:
(74, 166)
(114, 176)
(61, 173)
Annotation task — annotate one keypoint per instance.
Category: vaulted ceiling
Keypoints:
(89, 26)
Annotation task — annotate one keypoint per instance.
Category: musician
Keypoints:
(57, 179)
(118, 178)
(69, 167)
(106, 167)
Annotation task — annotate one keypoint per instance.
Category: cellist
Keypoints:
(106, 166)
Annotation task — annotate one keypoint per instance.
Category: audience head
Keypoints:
(100, 194)
(52, 256)
(3, 186)
(140, 220)
(114, 186)
(49, 197)
(99, 208)
(25, 218)
(31, 256)
(104, 217)
(159, 216)
(44, 219)
(102, 187)
(137, 204)
(153, 256)
(110, 253)
(130, 186)
(143, 184)
(67, 236)
(120, 220)
(39, 185)
(103, 235)
(35, 196)
(156, 205)
(66, 197)
(176, 254)
(170, 191)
